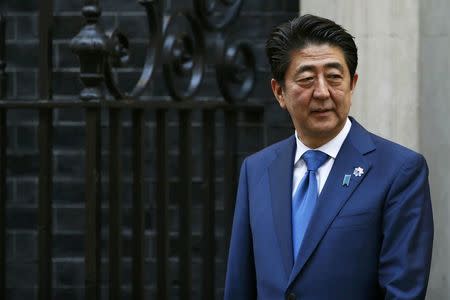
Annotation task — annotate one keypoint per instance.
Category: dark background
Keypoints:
(254, 24)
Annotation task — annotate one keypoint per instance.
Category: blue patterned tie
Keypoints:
(305, 197)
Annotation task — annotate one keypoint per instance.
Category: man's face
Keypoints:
(317, 92)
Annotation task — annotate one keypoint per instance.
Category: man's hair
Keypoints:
(304, 31)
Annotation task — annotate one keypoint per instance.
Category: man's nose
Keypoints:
(321, 89)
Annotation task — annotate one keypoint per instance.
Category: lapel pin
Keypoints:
(358, 171)
(346, 180)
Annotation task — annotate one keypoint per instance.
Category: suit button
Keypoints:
(291, 296)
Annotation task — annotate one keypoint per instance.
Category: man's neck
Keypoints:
(314, 142)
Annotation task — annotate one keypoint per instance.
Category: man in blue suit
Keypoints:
(333, 212)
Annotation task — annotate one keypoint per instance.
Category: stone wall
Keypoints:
(434, 112)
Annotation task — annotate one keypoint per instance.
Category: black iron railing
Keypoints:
(179, 47)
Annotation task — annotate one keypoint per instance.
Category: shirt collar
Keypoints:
(331, 148)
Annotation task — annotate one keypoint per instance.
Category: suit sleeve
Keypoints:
(240, 283)
(405, 256)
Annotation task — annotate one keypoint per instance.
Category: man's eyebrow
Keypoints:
(335, 65)
(331, 65)
(304, 68)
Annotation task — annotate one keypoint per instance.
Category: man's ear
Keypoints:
(277, 90)
(355, 79)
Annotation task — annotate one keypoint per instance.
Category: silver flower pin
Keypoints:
(358, 172)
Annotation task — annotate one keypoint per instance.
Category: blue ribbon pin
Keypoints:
(346, 180)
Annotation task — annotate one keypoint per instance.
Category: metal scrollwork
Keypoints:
(236, 66)
(236, 73)
(183, 56)
(180, 43)
(215, 14)
(119, 52)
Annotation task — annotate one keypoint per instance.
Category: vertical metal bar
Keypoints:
(3, 141)
(230, 171)
(115, 207)
(93, 204)
(185, 200)
(45, 205)
(45, 133)
(208, 204)
(162, 198)
(138, 205)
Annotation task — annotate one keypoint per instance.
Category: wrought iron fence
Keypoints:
(177, 44)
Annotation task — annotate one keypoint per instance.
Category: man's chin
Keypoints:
(325, 130)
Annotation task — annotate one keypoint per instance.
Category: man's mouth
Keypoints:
(320, 110)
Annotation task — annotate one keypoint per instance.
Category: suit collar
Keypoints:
(360, 138)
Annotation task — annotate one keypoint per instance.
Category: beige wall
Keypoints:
(404, 92)
(434, 118)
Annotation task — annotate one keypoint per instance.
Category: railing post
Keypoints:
(230, 179)
(162, 202)
(185, 203)
(93, 205)
(91, 46)
(45, 135)
(115, 204)
(209, 204)
(138, 206)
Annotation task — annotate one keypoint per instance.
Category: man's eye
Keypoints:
(307, 79)
(335, 76)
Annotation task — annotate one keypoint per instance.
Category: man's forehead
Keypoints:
(317, 46)
(312, 67)
(314, 56)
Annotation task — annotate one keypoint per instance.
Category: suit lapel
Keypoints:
(335, 194)
(280, 175)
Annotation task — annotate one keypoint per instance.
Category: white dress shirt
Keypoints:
(331, 148)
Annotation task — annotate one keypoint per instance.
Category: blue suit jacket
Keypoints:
(369, 240)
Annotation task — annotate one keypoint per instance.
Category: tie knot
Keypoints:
(314, 159)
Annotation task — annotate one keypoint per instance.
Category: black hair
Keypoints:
(303, 31)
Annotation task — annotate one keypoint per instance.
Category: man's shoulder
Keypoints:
(394, 152)
(386, 149)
